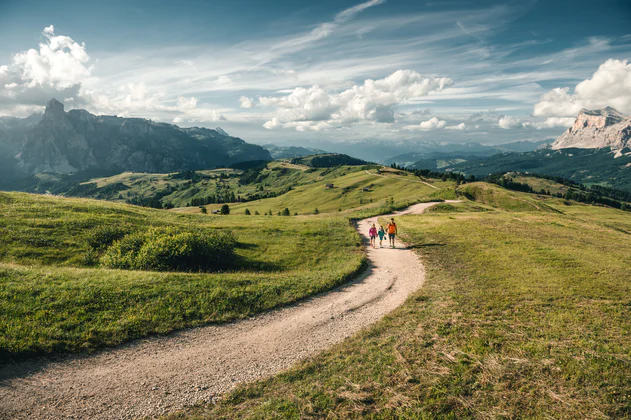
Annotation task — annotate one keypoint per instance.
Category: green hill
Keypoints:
(328, 160)
(55, 297)
(336, 189)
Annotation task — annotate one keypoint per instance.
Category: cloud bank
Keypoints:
(610, 85)
(372, 101)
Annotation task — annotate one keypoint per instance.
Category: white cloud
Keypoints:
(246, 102)
(58, 68)
(374, 100)
(177, 120)
(429, 125)
(60, 62)
(186, 104)
(508, 122)
(551, 122)
(272, 124)
(610, 85)
(459, 127)
(349, 13)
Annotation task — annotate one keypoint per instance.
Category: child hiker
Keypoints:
(373, 235)
(382, 234)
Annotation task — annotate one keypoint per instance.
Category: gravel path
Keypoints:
(157, 375)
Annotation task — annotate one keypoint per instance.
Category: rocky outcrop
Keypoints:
(78, 140)
(597, 129)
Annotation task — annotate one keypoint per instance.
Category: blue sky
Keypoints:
(292, 72)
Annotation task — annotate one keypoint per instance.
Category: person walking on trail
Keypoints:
(372, 232)
(382, 234)
(392, 231)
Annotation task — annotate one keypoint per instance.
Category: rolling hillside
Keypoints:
(56, 296)
(339, 189)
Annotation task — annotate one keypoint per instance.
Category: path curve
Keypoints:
(153, 376)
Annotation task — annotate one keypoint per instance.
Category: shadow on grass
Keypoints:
(418, 246)
(240, 263)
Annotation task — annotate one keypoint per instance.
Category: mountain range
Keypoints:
(595, 150)
(74, 141)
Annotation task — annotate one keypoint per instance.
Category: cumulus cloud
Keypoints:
(272, 124)
(610, 85)
(57, 68)
(508, 122)
(60, 68)
(246, 102)
(373, 100)
(429, 125)
(459, 127)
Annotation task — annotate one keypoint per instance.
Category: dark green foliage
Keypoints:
(103, 236)
(170, 249)
(285, 212)
(328, 160)
(225, 209)
(247, 212)
(203, 209)
(579, 165)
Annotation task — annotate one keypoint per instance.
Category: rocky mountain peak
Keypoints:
(595, 129)
(54, 109)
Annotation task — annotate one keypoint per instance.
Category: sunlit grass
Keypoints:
(52, 301)
(523, 315)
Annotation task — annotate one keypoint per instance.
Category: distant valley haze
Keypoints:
(374, 79)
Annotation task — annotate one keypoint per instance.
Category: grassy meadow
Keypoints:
(54, 297)
(525, 313)
(354, 188)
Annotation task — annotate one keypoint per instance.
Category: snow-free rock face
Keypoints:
(78, 140)
(596, 129)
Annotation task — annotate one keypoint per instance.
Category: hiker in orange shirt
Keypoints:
(391, 228)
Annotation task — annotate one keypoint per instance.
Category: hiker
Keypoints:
(382, 234)
(392, 231)
(373, 235)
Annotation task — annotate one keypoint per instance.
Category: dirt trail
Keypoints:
(157, 375)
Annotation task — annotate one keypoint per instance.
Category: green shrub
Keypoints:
(170, 249)
(103, 236)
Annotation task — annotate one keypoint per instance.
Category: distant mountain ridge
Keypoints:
(597, 129)
(290, 152)
(77, 140)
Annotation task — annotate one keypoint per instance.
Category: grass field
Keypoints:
(353, 188)
(526, 313)
(53, 300)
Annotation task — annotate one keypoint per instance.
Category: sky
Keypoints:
(308, 73)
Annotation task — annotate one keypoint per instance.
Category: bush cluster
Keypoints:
(170, 249)
(101, 237)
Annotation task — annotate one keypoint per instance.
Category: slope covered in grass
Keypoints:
(54, 299)
(352, 188)
(501, 198)
(523, 315)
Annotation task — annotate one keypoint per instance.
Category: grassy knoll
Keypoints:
(539, 184)
(497, 197)
(524, 314)
(348, 193)
(54, 299)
